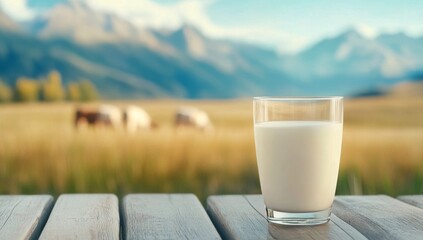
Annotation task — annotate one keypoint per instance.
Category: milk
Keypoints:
(298, 163)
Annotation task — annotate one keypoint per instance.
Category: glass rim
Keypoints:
(300, 98)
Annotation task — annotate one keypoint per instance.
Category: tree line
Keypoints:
(48, 89)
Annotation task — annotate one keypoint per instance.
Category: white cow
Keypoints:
(112, 113)
(136, 118)
(189, 116)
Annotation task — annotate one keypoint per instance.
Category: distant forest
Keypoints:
(47, 89)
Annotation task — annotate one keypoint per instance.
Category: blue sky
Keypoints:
(286, 25)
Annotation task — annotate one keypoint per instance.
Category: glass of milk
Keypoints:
(298, 145)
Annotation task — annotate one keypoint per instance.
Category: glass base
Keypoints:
(298, 219)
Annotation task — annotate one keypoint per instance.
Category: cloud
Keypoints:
(18, 9)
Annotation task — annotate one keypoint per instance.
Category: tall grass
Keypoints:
(42, 152)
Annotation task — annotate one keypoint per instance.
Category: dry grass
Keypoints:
(40, 151)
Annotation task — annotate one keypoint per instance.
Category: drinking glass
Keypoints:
(298, 145)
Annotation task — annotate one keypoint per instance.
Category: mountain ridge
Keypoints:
(127, 61)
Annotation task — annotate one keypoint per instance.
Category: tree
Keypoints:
(87, 90)
(6, 93)
(27, 90)
(73, 92)
(52, 89)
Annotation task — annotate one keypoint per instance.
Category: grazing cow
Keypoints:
(91, 118)
(192, 117)
(136, 118)
(113, 113)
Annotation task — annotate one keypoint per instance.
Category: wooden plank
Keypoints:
(23, 216)
(244, 217)
(415, 200)
(165, 216)
(380, 217)
(83, 216)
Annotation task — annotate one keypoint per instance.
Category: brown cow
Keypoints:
(91, 118)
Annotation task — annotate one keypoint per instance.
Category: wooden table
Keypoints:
(181, 216)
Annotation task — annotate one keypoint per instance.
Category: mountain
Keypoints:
(350, 62)
(126, 61)
(255, 66)
(411, 49)
(182, 63)
(117, 70)
(331, 56)
(27, 56)
(75, 20)
(407, 89)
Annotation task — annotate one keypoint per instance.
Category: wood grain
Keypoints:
(380, 217)
(165, 216)
(243, 217)
(24, 216)
(83, 216)
(415, 200)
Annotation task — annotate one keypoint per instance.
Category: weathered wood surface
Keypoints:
(415, 200)
(181, 216)
(165, 216)
(380, 217)
(23, 216)
(243, 217)
(83, 216)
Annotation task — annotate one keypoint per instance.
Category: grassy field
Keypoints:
(41, 152)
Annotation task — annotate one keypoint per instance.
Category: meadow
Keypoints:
(42, 152)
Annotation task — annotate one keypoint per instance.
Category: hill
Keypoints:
(407, 89)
